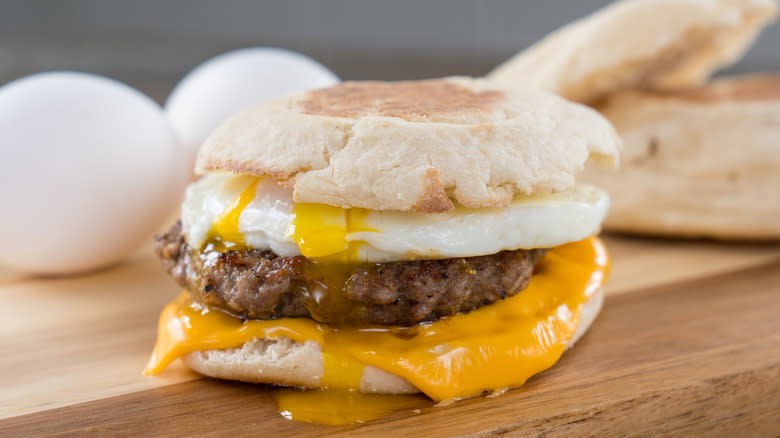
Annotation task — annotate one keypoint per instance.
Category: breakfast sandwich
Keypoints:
(390, 237)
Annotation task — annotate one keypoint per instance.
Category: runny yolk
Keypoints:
(340, 371)
(336, 407)
(496, 346)
(321, 231)
(224, 234)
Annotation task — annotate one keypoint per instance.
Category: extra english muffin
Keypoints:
(660, 44)
(703, 162)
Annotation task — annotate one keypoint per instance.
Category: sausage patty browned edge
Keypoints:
(258, 284)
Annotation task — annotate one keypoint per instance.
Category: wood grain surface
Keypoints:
(688, 344)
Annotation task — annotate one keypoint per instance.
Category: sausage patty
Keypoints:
(258, 284)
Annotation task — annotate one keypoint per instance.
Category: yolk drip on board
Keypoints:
(336, 407)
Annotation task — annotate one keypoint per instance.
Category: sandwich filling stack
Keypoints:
(423, 236)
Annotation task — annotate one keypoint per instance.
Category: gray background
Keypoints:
(151, 44)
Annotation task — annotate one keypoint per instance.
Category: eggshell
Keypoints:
(233, 81)
(89, 168)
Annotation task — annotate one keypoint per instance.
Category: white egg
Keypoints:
(89, 167)
(233, 81)
(267, 222)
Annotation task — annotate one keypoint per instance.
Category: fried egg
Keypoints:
(250, 212)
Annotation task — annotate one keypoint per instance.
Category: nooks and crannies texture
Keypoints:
(421, 145)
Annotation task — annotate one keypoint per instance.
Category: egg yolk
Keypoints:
(337, 407)
(224, 234)
(319, 230)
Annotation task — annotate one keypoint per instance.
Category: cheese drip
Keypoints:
(496, 346)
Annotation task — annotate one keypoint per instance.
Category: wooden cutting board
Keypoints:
(688, 343)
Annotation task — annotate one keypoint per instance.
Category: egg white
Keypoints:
(528, 222)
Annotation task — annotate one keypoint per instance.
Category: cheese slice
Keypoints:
(494, 347)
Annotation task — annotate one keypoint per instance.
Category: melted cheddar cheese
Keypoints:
(496, 346)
